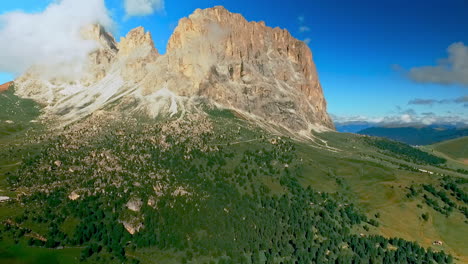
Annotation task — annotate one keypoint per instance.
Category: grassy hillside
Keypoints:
(416, 135)
(380, 183)
(216, 189)
(16, 114)
(456, 149)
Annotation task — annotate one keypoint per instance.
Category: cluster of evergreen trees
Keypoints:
(405, 151)
(444, 202)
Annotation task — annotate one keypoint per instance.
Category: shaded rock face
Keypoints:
(261, 72)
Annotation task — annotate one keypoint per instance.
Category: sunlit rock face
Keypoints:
(248, 66)
(263, 73)
(5, 86)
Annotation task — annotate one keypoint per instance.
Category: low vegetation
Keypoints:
(404, 151)
(16, 114)
(446, 198)
(455, 149)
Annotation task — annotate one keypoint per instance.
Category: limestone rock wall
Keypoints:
(248, 66)
(261, 72)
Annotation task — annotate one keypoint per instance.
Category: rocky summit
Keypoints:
(262, 73)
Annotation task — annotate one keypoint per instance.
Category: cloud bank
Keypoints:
(51, 38)
(458, 100)
(142, 7)
(451, 70)
(419, 101)
(461, 100)
(404, 120)
(406, 117)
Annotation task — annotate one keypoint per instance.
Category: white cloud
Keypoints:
(451, 70)
(51, 37)
(307, 41)
(142, 7)
(304, 29)
(430, 102)
(301, 19)
(356, 118)
(404, 119)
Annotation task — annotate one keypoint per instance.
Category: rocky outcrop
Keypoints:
(263, 73)
(136, 51)
(101, 60)
(137, 40)
(5, 86)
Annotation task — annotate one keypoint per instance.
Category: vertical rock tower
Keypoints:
(248, 66)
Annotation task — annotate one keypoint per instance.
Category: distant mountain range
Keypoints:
(353, 127)
(416, 135)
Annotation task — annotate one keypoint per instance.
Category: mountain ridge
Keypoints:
(416, 135)
(261, 72)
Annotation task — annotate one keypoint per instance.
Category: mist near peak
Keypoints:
(51, 39)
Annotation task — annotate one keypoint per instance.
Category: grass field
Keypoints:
(17, 114)
(11, 253)
(456, 149)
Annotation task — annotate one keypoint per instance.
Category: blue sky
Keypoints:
(363, 49)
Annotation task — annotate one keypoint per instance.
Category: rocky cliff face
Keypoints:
(250, 67)
(5, 86)
(263, 73)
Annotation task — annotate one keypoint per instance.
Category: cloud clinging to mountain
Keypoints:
(51, 37)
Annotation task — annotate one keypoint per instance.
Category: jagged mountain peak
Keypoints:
(136, 38)
(99, 34)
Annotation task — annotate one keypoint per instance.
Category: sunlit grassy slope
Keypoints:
(456, 149)
(18, 116)
(378, 183)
